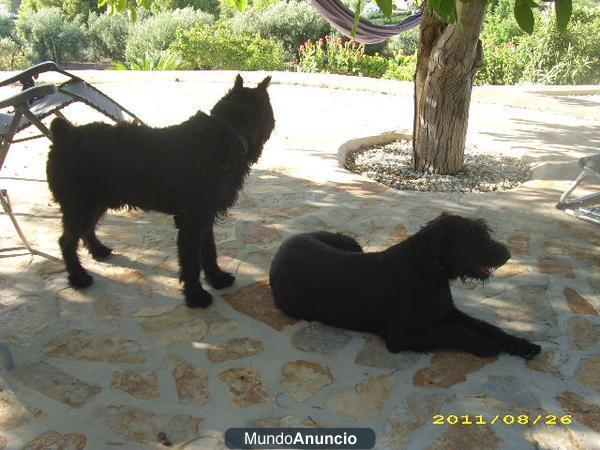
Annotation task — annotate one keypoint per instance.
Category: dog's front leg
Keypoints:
(438, 337)
(510, 344)
(216, 277)
(188, 242)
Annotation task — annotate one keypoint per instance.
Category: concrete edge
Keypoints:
(379, 139)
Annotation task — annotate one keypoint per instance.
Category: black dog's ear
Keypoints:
(264, 84)
(239, 82)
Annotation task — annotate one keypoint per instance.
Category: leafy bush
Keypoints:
(502, 65)
(333, 55)
(11, 55)
(164, 61)
(154, 34)
(402, 67)
(71, 8)
(571, 57)
(547, 56)
(209, 6)
(500, 25)
(291, 23)
(6, 26)
(50, 34)
(263, 4)
(107, 36)
(205, 47)
(405, 43)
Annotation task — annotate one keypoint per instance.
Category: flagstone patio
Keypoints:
(125, 365)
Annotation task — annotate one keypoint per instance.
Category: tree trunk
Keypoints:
(447, 60)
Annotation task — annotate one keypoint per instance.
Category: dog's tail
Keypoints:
(59, 129)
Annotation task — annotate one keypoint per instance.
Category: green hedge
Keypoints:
(547, 56)
(151, 36)
(290, 23)
(216, 47)
(336, 55)
(107, 36)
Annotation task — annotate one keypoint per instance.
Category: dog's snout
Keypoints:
(504, 252)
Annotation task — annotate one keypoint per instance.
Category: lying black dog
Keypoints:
(193, 171)
(402, 293)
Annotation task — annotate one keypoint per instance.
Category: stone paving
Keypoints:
(125, 365)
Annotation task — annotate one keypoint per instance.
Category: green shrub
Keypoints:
(502, 64)
(164, 61)
(209, 6)
(263, 4)
(500, 25)
(205, 47)
(548, 56)
(291, 23)
(6, 26)
(11, 55)
(71, 8)
(50, 34)
(570, 57)
(405, 43)
(402, 67)
(226, 10)
(154, 34)
(107, 36)
(334, 55)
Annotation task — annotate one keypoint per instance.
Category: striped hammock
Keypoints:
(342, 18)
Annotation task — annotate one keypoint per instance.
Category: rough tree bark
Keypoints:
(447, 60)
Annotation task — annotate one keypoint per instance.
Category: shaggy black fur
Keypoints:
(193, 171)
(402, 293)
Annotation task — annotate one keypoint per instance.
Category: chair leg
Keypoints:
(7, 139)
(8, 210)
(57, 113)
(37, 122)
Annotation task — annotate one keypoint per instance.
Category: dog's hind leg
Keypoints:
(97, 249)
(215, 276)
(338, 240)
(75, 225)
(508, 343)
(188, 243)
(441, 336)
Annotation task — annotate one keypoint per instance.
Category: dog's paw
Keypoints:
(523, 348)
(220, 280)
(80, 280)
(100, 252)
(197, 298)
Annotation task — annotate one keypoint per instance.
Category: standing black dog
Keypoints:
(402, 293)
(193, 171)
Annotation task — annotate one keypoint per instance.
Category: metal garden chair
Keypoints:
(584, 207)
(36, 102)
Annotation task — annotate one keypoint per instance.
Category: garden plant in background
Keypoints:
(205, 47)
(151, 37)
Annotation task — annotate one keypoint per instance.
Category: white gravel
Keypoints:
(483, 172)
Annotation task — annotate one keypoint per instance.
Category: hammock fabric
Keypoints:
(342, 18)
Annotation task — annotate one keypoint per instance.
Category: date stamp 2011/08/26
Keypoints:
(505, 419)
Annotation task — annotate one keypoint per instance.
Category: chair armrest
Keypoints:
(28, 94)
(26, 76)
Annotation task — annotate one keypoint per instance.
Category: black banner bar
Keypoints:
(300, 438)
